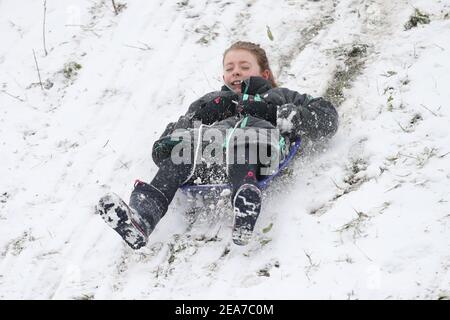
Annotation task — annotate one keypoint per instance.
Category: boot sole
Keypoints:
(117, 214)
(247, 206)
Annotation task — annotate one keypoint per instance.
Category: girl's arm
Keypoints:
(163, 146)
(302, 115)
(186, 121)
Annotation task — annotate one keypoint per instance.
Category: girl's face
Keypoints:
(239, 65)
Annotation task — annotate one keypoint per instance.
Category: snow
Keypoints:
(365, 216)
(286, 124)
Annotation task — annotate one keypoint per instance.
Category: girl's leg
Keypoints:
(151, 201)
(240, 174)
(148, 204)
(246, 196)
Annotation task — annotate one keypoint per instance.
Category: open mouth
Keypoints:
(236, 82)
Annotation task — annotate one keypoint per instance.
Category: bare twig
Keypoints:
(43, 26)
(394, 187)
(368, 258)
(207, 80)
(402, 176)
(12, 96)
(311, 266)
(435, 114)
(85, 28)
(408, 156)
(230, 35)
(334, 182)
(309, 258)
(115, 7)
(37, 68)
(441, 156)
(134, 47)
(147, 47)
(421, 183)
(438, 47)
(217, 233)
(403, 129)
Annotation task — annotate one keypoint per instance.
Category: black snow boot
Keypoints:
(134, 222)
(247, 206)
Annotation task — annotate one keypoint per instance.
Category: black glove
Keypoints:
(217, 109)
(255, 85)
(162, 148)
(260, 109)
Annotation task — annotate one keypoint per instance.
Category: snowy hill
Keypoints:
(366, 216)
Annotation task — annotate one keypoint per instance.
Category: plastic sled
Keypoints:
(203, 189)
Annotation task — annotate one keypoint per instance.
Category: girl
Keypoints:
(249, 102)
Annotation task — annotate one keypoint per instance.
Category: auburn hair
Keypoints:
(258, 52)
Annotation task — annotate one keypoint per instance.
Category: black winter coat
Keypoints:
(297, 115)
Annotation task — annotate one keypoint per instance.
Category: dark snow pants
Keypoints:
(171, 176)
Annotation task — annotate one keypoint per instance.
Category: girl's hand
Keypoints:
(217, 109)
(260, 109)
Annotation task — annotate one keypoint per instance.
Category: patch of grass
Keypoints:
(85, 296)
(355, 225)
(390, 105)
(344, 76)
(179, 244)
(417, 18)
(225, 252)
(356, 166)
(174, 249)
(268, 228)
(4, 197)
(182, 4)
(269, 33)
(405, 81)
(118, 7)
(417, 117)
(17, 245)
(264, 273)
(265, 241)
(443, 297)
(70, 69)
(358, 50)
(208, 34)
(389, 73)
